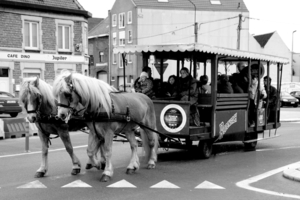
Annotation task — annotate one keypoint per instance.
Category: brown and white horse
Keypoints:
(102, 104)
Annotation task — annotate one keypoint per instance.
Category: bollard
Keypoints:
(27, 137)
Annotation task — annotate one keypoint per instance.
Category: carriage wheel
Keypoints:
(251, 146)
(205, 148)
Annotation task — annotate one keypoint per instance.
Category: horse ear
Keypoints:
(68, 79)
(36, 82)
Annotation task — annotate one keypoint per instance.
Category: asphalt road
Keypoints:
(178, 175)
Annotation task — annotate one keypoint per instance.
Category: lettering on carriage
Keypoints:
(59, 58)
(224, 128)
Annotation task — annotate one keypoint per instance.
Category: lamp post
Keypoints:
(196, 24)
(292, 55)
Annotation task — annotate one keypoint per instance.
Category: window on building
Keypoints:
(129, 17)
(4, 72)
(64, 32)
(114, 39)
(31, 72)
(130, 36)
(112, 78)
(101, 56)
(114, 58)
(122, 38)
(215, 2)
(129, 58)
(121, 20)
(31, 34)
(114, 20)
(121, 64)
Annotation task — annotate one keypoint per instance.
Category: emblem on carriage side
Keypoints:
(224, 128)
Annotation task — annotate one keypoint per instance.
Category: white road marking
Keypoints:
(282, 148)
(33, 184)
(38, 152)
(208, 185)
(122, 184)
(165, 184)
(246, 183)
(77, 184)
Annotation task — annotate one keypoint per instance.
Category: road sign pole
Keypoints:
(27, 137)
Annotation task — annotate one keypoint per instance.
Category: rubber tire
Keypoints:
(13, 114)
(205, 149)
(296, 105)
(250, 146)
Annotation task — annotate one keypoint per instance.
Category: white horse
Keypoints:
(108, 112)
(39, 102)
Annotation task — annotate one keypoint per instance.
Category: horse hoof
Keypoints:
(39, 174)
(130, 171)
(88, 166)
(104, 178)
(75, 171)
(151, 166)
(103, 166)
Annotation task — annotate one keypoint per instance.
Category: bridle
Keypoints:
(72, 110)
(38, 104)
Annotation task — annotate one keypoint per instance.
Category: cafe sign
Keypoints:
(41, 57)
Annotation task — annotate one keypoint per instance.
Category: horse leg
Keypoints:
(65, 137)
(150, 144)
(92, 150)
(100, 165)
(107, 147)
(41, 172)
(134, 163)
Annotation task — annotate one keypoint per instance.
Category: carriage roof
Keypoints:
(202, 48)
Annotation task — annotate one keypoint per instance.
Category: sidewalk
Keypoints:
(289, 116)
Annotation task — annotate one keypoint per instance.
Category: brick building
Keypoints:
(40, 38)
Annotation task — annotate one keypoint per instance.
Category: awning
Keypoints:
(200, 48)
(101, 67)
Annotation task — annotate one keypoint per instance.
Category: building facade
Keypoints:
(41, 38)
(138, 22)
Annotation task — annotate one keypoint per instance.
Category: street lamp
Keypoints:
(292, 55)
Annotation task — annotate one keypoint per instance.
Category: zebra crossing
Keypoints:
(120, 184)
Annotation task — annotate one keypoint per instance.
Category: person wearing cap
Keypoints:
(145, 85)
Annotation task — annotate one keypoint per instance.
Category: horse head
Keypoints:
(67, 98)
(36, 97)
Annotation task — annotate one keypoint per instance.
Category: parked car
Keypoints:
(296, 94)
(9, 104)
(288, 100)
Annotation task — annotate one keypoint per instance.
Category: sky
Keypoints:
(282, 16)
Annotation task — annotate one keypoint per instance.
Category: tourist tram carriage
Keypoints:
(223, 117)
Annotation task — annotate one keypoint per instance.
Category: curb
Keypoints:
(290, 120)
(292, 174)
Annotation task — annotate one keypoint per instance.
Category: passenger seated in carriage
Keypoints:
(224, 86)
(187, 86)
(204, 88)
(234, 80)
(145, 85)
(172, 86)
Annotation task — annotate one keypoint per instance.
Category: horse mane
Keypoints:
(43, 89)
(94, 93)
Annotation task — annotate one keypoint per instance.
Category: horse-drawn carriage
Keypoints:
(223, 117)
(106, 112)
